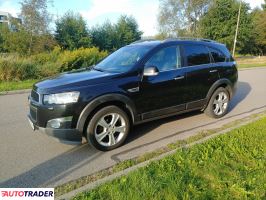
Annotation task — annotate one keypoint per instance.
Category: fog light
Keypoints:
(55, 123)
(64, 122)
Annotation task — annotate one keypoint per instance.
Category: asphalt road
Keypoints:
(31, 159)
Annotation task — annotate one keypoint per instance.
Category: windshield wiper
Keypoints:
(97, 69)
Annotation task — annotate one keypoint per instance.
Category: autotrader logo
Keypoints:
(26, 193)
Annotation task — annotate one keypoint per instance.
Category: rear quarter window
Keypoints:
(217, 55)
(196, 55)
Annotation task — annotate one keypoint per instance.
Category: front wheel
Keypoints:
(218, 104)
(108, 128)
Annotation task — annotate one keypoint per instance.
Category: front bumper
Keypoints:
(44, 119)
(67, 136)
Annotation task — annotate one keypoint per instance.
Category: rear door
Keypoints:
(200, 74)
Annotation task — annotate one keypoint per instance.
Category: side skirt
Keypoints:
(171, 111)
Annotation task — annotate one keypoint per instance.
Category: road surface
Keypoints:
(31, 159)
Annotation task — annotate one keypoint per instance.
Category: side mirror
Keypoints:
(151, 71)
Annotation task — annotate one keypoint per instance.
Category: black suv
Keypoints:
(143, 81)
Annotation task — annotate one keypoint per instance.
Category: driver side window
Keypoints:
(166, 59)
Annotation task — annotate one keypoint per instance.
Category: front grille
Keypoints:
(33, 113)
(35, 96)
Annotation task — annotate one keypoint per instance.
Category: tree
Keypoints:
(18, 42)
(264, 5)
(104, 36)
(2, 27)
(219, 23)
(259, 30)
(110, 36)
(35, 19)
(127, 31)
(71, 32)
(181, 17)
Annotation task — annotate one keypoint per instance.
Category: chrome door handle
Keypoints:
(212, 71)
(179, 77)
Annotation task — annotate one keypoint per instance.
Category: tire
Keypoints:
(103, 128)
(218, 104)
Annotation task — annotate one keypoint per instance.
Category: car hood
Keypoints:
(74, 79)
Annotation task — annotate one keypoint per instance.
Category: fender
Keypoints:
(229, 87)
(105, 99)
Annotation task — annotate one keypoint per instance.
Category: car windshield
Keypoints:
(123, 59)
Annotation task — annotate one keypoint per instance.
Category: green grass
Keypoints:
(230, 166)
(251, 61)
(250, 65)
(16, 85)
(77, 183)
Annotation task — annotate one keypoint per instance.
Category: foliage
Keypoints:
(13, 68)
(127, 31)
(230, 166)
(181, 17)
(18, 42)
(80, 58)
(113, 36)
(264, 5)
(36, 20)
(16, 68)
(259, 31)
(71, 32)
(219, 23)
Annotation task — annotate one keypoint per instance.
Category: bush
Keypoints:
(80, 58)
(44, 58)
(15, 68)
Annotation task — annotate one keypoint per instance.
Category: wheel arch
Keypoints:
(225, 83)
(119, 100)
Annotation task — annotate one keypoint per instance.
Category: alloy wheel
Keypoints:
(220, 103)
(110, 129)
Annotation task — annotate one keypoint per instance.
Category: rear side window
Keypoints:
(217, 55)
(196, 55)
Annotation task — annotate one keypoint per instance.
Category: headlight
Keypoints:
(61, 98)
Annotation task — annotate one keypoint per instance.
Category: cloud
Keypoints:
(8, 6)
(145, 12)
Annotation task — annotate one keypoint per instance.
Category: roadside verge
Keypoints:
(89, 182)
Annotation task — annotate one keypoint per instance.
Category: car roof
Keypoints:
(154, 42)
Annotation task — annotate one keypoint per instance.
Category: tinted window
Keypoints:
(196, 55)
(166, 59)
(217, 55)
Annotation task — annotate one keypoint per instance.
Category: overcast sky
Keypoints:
(97, 11)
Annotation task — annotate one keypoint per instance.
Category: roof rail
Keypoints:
(189, 38)
(143, 40)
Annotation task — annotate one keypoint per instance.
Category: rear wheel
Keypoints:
(108, 128)
(218, 104)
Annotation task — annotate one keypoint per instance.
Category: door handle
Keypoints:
(179, 77)
(213, 71)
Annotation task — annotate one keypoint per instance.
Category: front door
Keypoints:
(163, 93)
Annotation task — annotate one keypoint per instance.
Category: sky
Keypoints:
(98, 11)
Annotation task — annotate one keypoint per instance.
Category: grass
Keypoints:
(230, 166)
(251, 61)
(247, 65)
(16, 85)
(72, 185)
